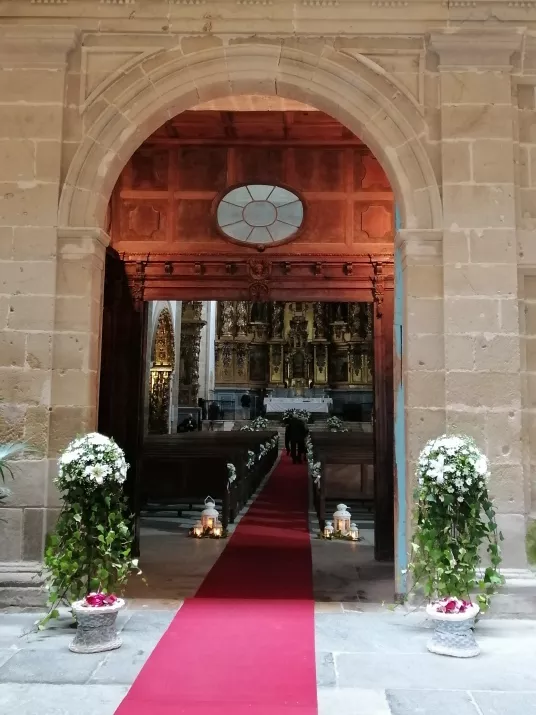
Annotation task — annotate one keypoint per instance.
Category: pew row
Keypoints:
(346, 462)
(180, 470)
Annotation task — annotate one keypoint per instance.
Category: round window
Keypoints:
(259, 214)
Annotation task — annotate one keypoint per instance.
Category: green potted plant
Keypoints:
(8, 452)
(89, 557)
(454, 522)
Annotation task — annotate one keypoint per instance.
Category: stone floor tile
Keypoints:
(506, 703)
(325, 670)
(427, 671)
(352, 701)
(60, 699)
(427, 702)
(150, 621)
(123, 665)
(369, 633)
(30, 666)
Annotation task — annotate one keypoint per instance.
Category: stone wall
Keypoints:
(451, 116)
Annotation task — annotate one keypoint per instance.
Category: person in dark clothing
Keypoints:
(297, 432)
(213, 414)
(287, 438)
(203, 405)
(245, 402)
(187, 425)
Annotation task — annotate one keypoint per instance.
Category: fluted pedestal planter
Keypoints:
(96, 630)
(453, 634)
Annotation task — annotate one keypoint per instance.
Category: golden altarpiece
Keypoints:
(295, 345)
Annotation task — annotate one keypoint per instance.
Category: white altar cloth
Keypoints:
(311, 404)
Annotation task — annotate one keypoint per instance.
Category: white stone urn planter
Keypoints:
(453, 632)
(96, 630)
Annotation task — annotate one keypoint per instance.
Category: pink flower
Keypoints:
(452, 605)
(99, 599)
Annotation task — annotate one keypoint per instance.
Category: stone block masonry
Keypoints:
(449, 113)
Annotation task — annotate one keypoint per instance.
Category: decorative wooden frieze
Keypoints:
(48, 2)
(254, 2)
(320, 3)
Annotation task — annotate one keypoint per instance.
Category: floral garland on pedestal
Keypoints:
(90, 549)
(336, 425)
(300, 414)
(259, 424)
(454, 518)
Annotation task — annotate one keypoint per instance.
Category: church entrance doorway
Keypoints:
(250, 209)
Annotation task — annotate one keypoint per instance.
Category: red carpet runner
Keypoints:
(245, 643)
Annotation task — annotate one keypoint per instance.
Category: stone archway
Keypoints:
(353, 90)
(347, 86)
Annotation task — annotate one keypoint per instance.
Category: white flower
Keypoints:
(481, 466)
(460, 499)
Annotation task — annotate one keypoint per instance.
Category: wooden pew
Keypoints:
(182, 469)
(347, 468)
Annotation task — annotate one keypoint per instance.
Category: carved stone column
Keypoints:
(191, 327)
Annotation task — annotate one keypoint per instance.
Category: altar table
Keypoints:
(311, 404)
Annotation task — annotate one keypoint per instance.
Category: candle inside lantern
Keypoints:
(328, 530)
(354, 532)
(342, 519)
(217, 530)
(198, 529)
(209, 515)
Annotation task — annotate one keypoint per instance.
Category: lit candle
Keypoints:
(328, 530)
(217, 530)
(198, 530)
(354, 532)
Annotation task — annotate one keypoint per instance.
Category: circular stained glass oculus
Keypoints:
(259, 214)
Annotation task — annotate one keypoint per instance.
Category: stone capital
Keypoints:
(467, 49)
(75, 243)
(422, 247)
(36, 45)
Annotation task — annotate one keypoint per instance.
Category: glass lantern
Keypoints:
(328, 530)
(354, 532)
(217, 530)
(209, 515)
(342, 519)
(198, 529)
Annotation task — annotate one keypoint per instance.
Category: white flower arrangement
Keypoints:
(336, 425)
(251, 459)
(455, 521)
(452, 469)
(259, 424)
(300, 414)
(315, 471)
(263, 450)
(246, 428)
(231, 473)
(92, 461)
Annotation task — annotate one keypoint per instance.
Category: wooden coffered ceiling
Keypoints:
(255, 126)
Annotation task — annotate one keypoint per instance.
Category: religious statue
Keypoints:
(277, 320)
(242, 317)
(227, 318)
(319, 321)
(354, 318)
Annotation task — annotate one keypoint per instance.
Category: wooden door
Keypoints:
(383, 424)
(122, 373)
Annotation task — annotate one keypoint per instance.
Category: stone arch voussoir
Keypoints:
(367, 102)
